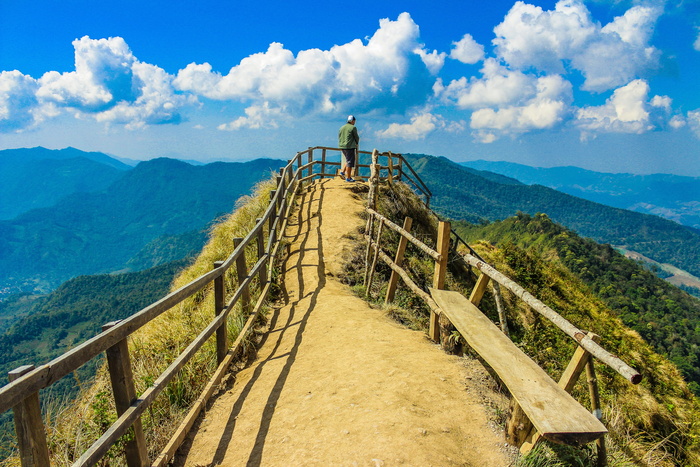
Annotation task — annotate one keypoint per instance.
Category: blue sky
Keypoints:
(605, 85)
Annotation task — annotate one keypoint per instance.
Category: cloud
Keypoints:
(257, 117)
(506, 102)
(467, 50)
(108, 84)
(545, 109)
(497, 86)
(434, 61)
(391, 70)
(552, 41)
(17, 100)
(626, 111)
(694, 122)
(421, 125)
(696, 44)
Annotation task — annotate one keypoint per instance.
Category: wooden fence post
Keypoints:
(242, 272)
(369, 228)
(374, 260)
(499, 306)
(31, 436)
(119, 364)
(579, 361)
(443, 248)
(273, 217)
(323, 161)
(310, 159)
(261, 253)
(398, 259)
(391, 169)
(595, 403)
(479, 289)
(373, 182)
(219, 303)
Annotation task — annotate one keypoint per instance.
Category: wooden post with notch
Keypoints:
(323, 161)
(119, 364)
(443, 247)
(398, 259)
(219, 303)
(242, 273)
(29, 427)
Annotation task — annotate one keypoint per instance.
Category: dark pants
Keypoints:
(349, 155)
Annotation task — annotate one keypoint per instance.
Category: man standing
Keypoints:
(348, 139)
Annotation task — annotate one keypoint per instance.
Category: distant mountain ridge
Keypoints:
(673, 197)
(165, 201)
(38, 177)
(462, 193)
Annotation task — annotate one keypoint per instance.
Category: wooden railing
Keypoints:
(22, 393)
(587, 343)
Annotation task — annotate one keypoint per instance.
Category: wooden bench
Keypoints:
(554, 413)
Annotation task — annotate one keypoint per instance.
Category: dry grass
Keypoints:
(72, 428)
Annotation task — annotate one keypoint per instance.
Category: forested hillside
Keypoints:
(665, 316)
(462, 193)
(158, 207)
(673, 197)
(38, 177)
(35, 331)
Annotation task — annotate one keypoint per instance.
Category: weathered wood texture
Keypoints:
(584, 341)
(553, 412)
(398, 260)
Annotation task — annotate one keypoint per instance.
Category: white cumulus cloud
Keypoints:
(17, 100)
(108, 84)
(467, 50)
(391, 70)
(257, 117)
(420, 126)
(626, 111)
(550, 41)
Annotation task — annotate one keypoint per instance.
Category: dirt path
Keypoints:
(336, 382)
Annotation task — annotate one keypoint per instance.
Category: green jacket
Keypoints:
(348, 137)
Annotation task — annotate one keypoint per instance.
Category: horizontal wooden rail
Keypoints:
(584, 341)
(422, 246)
(275, 219)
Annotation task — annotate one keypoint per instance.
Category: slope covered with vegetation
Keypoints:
(665, 316)
(73, 427)
(673, 197)
(463, 193)
(651, 424)
(106, 231)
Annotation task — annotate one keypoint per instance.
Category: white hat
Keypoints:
(351, 118)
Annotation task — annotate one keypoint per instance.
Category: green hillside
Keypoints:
(462, 193)
(107, 231)
(673, 197)
(38, 177)
(665, 316)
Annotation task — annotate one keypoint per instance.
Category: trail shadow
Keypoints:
(297, 317)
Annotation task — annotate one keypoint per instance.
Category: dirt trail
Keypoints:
(336, 382)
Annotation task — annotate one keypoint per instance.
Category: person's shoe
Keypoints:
(349, 179)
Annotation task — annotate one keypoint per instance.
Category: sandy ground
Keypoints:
(336, 382)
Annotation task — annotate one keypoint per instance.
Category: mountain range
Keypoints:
(673, 197)
(109, 217)
(478, 196)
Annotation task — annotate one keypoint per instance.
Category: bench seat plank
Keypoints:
(556, 415)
